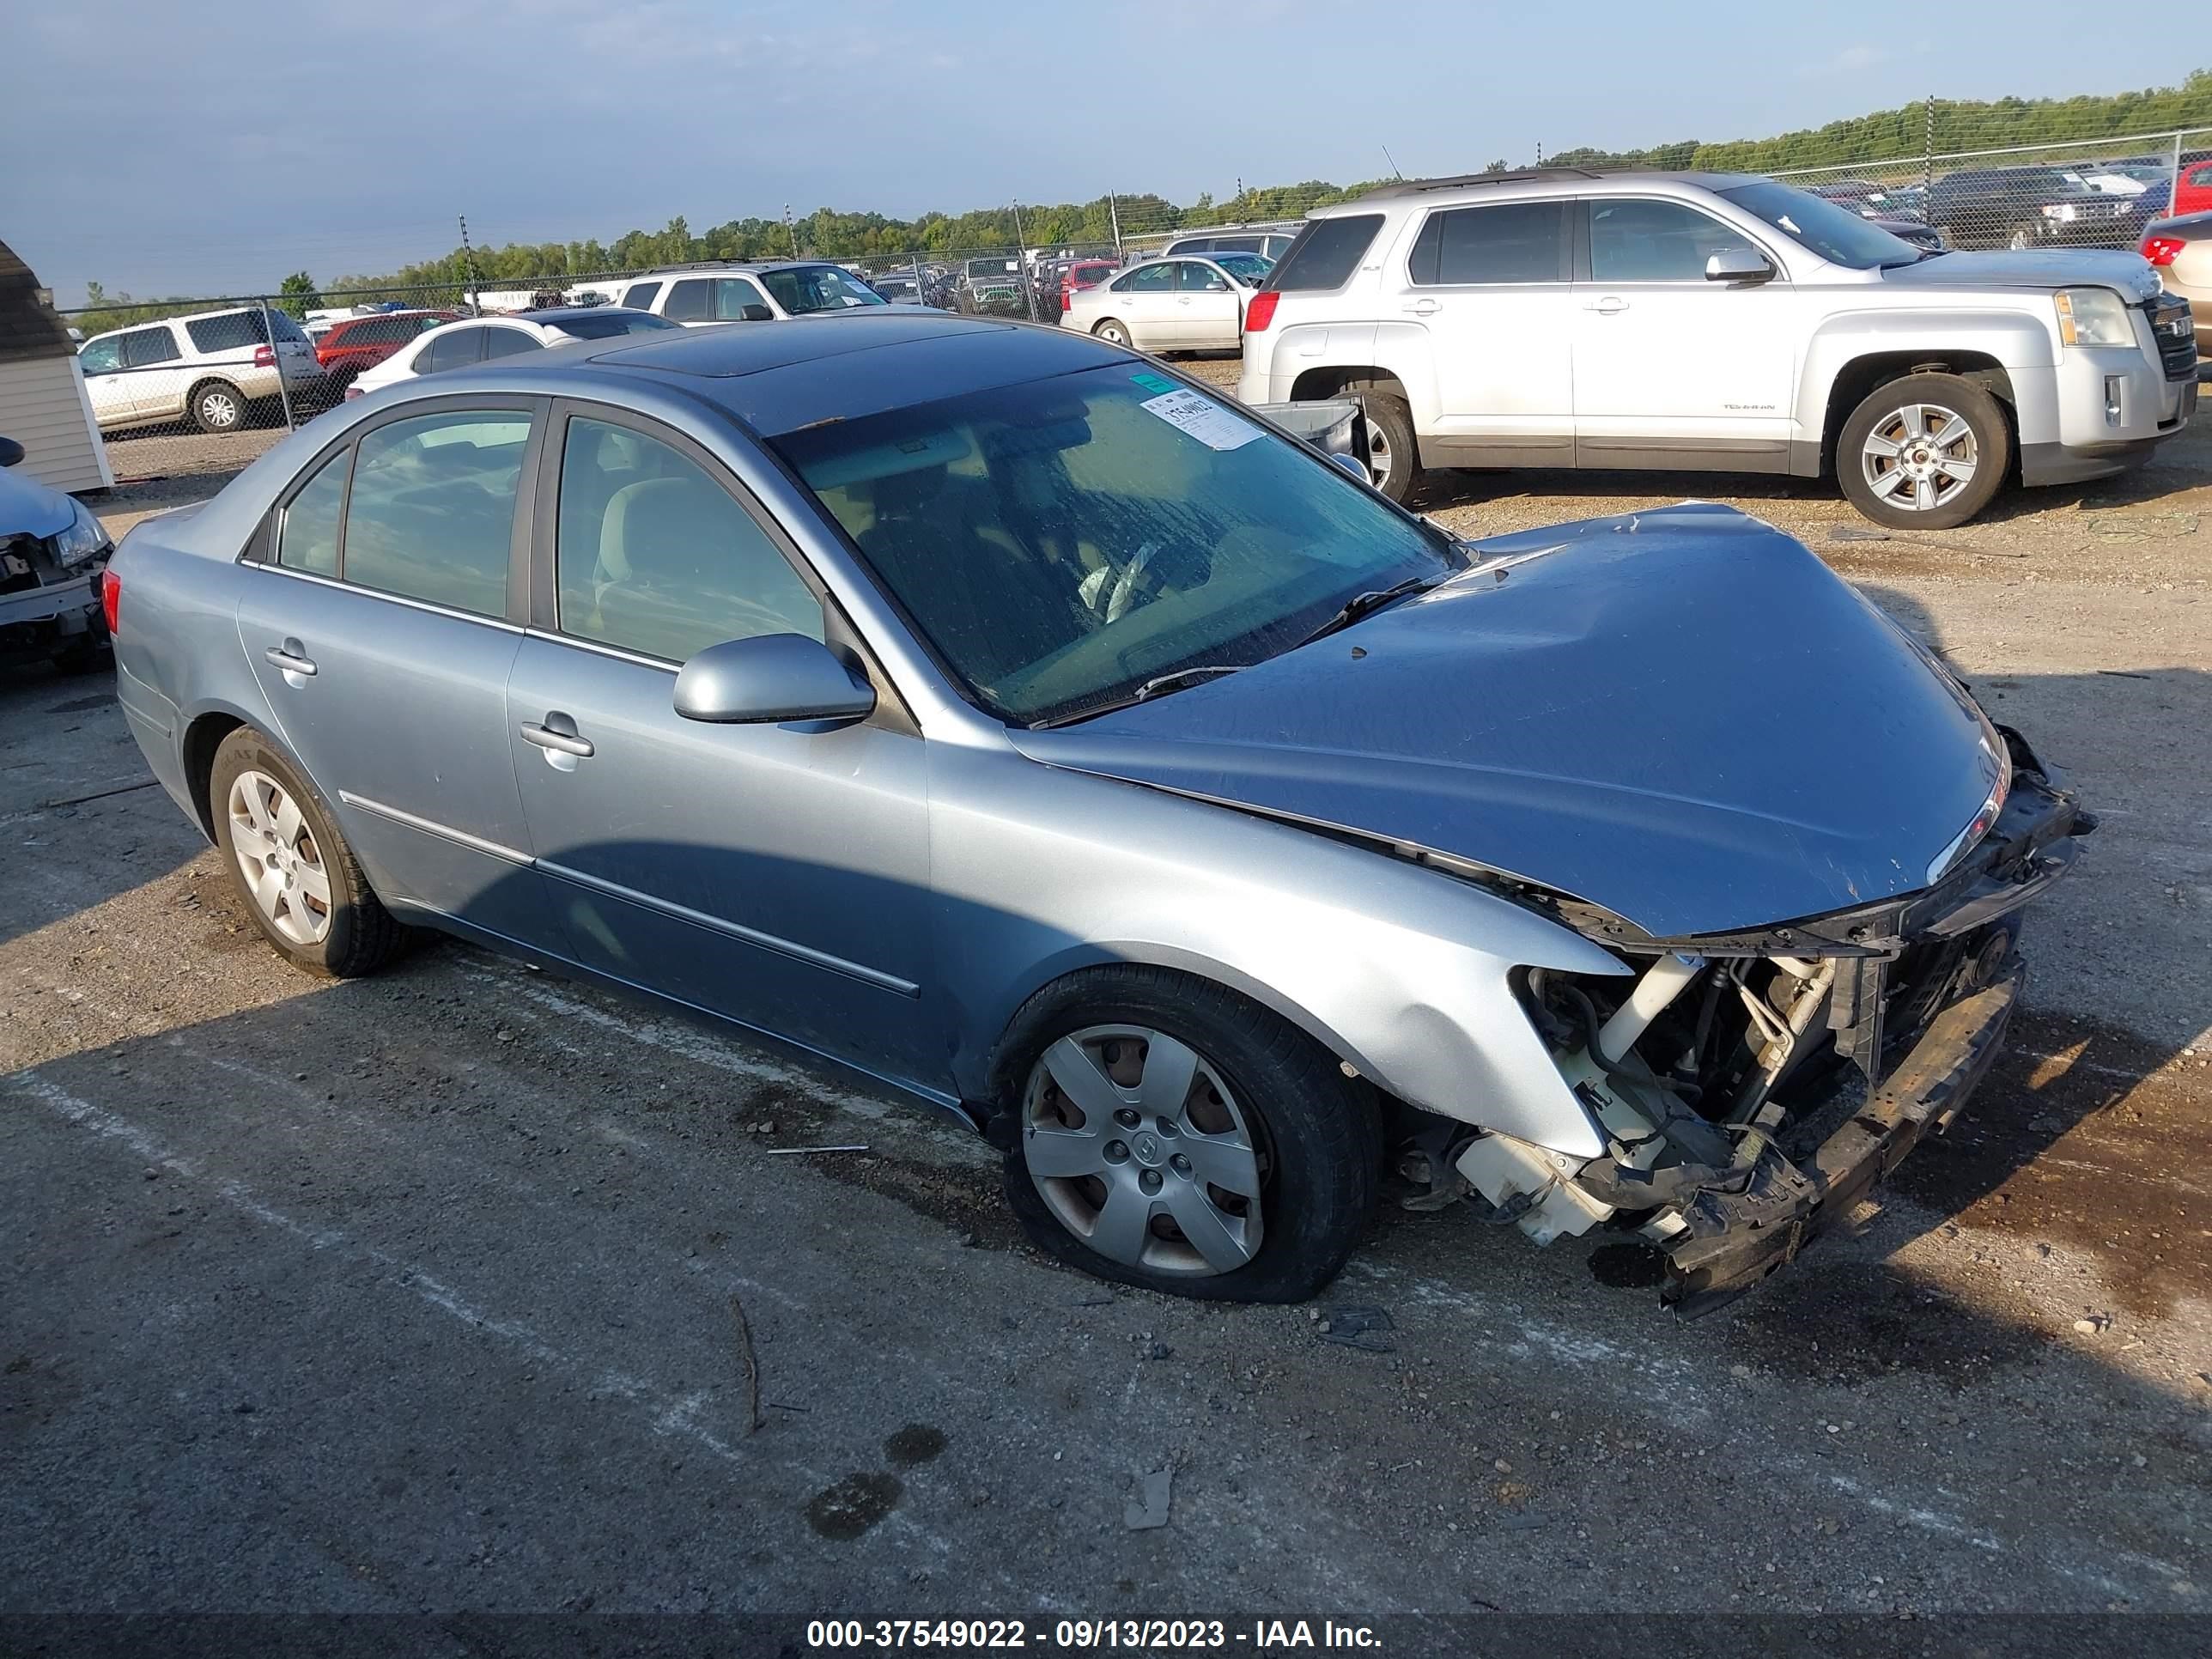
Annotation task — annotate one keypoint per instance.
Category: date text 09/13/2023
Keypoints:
(1085, 1635)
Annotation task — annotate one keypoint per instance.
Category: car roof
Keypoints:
(556, 315)
(1578, 181)
(778, 377)
(182, 317)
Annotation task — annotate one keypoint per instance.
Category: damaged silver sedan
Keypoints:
(986, 710)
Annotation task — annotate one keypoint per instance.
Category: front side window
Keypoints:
(148, 347)
(1193, 277)
(731, 295)
(690, 302)
(1060, 541)
(801, 288)
(1835, 233)
(432, 510)
(1511, 242)
(101, 356)
(653, 555)
(308, 539)
(1655, 241)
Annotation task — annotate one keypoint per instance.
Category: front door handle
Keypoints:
(1423, 307)
(561, 743)
(291, 656)
(1612, 304)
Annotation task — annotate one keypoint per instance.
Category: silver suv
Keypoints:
(1718, 321)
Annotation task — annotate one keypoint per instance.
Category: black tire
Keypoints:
(1955, 501)
(216, 406)
(1390, 422)
(1115, 332)
(362, 935)
(1320, 1130)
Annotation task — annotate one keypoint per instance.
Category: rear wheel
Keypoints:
(1393, 461)
(1166, 1133)
(297, 876)
(217, 406)
(1113, 332)
(1925, 451)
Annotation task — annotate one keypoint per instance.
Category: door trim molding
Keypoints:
(443, 831)
(797, 952)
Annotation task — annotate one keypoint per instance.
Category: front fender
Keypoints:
(2018, 340)
(1400, 971)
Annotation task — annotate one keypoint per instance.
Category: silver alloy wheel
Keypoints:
(1379, 459)
(277, 856)
(1919, 457)
(1140, 1151)
(1112, 333)
(218, 407)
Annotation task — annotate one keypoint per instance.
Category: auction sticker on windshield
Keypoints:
(1204, 419)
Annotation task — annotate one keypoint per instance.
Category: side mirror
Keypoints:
(11, 452)
(755, 312)
(1738, 264)
(769, 679)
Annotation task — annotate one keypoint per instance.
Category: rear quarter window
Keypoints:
(230, 332)
(1326, 253)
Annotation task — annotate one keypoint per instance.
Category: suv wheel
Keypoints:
(217, 406)
(1163, 1132)
(1393, 462)
(1926, 451)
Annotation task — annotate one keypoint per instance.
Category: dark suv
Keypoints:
(354, 343)
(2029, 207)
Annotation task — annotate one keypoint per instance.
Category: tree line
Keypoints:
(1943, 127)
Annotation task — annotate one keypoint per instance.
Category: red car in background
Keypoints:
(1082, 274)
(2192, 189)
(354, 343)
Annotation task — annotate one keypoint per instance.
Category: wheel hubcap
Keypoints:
(218, 409)
(1142, 1151)
(1919, 457)
(1379, 457)
(278, 857)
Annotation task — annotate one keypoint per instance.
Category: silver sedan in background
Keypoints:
(1186, 304)
(979, 708)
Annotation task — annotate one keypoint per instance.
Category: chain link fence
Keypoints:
(203, 386)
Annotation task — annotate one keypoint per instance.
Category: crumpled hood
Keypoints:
(1681, 715)
(2051, 267)
(28, 506)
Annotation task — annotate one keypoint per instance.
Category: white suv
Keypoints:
(1575, 319)
(694, 296)
(211, 367)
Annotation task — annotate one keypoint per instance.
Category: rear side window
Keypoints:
(149, 346)
(1159, 277)
(640, 296)
(432, 509)
(690, 302)
(2201, 177)
(228, 332)
(457, 349)
(507, 343)
(308, 539)
(1325, 254)
(1511, 242)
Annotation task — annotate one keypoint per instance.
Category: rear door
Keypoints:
(777, 875)
(381, 620)
(156, 377)
(1144, 301)
(1489, 284)
(690, 302)
(1211, 309)
(1671, 369)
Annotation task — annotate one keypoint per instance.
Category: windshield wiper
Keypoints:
(1367, 604)
(1158, 686)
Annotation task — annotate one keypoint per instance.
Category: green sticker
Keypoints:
(1154, 382)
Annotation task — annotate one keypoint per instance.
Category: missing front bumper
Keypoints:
(1733, 1241)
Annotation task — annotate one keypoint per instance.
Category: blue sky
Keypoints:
(157, 150)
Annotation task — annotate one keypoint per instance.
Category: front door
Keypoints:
(1671, 369)
(1489, 286)
(1211, 316)
(377, 625)
(777, 875)
(106, 383)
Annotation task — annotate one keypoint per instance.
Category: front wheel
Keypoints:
(1924, 451)
(297, 876)
(1163, 1132)
(1112, 333)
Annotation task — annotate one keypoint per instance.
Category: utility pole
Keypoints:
(1928, 156)
(469, 268)
(1022, 263)
(1114, 211)
(792, 229)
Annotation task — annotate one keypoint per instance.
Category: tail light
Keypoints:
(2162, 250)
(1066, 299)
(1261, 310)
(352, 392)
(111, 596)
(265, 357)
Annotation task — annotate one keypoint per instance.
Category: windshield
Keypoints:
(607, 324)
(1837, 235)
(802, 288)
(1060, 542)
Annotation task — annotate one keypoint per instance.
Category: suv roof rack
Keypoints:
(1460, 181)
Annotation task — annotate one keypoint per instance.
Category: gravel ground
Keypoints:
(449, 1289)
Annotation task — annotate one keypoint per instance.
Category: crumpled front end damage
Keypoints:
(1752, 1087)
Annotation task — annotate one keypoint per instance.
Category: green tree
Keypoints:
(296, 293)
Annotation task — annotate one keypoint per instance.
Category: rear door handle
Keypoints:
(1608, 305)
(564, 743)
(291, 656)
(1423, 307)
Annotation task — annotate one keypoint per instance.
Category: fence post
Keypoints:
(2173, 178)
(276, 355)
(1022, 266)
(1928, 152)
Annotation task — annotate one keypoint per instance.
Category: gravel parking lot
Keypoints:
(456, 1287)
